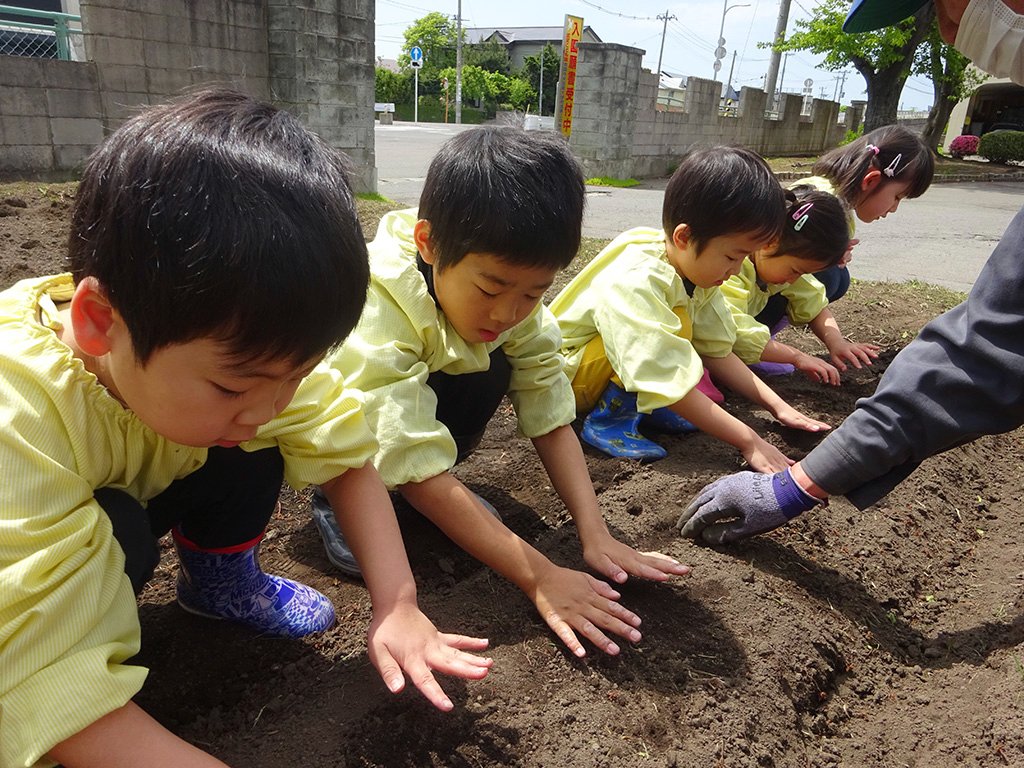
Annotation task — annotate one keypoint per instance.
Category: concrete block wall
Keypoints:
(619, 132)
(313, 57)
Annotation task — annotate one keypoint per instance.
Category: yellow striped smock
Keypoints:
(68, 619)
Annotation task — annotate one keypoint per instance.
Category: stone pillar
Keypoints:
(321, 70)
(605, 109)
(855, 115)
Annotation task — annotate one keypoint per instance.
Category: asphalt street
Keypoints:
(943, 237)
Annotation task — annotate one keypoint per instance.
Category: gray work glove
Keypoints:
(748, 502)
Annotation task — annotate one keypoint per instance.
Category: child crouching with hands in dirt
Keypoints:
(815, 236)
(639, 319)
(216, 257)
(453, 323)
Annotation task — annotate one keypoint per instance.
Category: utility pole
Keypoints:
(782, 77)
(840, 84)
(728, 86)
(540, 90)
(664, 28)
(458, 66)
(773, 66)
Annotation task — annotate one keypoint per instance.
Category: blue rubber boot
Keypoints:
(335, 546)
(230, 585)
(612, 427)
(668, 421)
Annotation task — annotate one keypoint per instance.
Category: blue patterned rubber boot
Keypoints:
(612, 427)
(230, 585)
(668, 421)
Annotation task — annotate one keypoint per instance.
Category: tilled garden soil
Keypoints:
(891, 637)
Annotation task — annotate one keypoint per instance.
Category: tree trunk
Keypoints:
(937, 119)
(884, 89)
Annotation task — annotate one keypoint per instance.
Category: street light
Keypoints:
(720, 50)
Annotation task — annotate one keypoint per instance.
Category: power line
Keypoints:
(616, 13)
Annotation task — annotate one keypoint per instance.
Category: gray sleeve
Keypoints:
(961, 378)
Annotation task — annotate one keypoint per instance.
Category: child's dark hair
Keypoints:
(504, 191)
(816, 227)
(899, 154)
(218, 216)
(723, 191)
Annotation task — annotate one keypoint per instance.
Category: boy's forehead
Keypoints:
(504, 272)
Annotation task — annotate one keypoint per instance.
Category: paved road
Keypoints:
(943, 237)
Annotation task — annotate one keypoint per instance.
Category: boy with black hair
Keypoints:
(453, 322)
(216, 257)
(645, 316)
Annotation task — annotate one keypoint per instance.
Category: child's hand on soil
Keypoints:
(762, 456)
(818, 370)
(609, 556)
(571, 600)
(791, 417)
(857, 355)
(403, 639)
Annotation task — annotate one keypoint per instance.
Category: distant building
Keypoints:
(389, 64)
(995, 105)
(524, 41)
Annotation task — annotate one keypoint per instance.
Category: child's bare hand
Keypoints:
(791, 417)
(818, 370)
(848, 256)
(762, 456)
(609, 556)
(572, 601)
(857, 355)
(403, 639)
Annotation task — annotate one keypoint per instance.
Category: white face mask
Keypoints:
(992, 36)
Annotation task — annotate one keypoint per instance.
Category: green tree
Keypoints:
(474, 83)
(491, 56)
(392, 86)
(531, 73)
(435, 35)
(513, 91)
(885, 58)
(952, 80)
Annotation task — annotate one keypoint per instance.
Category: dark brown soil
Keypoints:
(892, 637)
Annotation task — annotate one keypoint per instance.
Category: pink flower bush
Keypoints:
(962, 146)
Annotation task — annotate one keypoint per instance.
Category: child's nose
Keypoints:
(505, 312)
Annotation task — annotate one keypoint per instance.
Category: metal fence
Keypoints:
(29, 38)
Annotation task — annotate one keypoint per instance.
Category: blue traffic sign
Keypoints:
(416, 53)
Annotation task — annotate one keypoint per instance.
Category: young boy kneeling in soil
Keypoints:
(638, 320)
(453, 322)
(216, 257)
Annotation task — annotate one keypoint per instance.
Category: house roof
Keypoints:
(507, 35)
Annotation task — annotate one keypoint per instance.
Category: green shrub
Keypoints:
(1002, 146)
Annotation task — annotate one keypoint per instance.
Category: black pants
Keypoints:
(227, 501)
(836, 281)
(466, 402)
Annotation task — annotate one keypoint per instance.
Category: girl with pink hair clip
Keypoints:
(871, 176)
(815, 237)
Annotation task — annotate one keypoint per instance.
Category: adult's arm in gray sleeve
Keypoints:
(961, 378)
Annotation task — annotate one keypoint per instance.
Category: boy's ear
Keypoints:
(92, 317)
(681, 236)
(871, 180)
(421, 236)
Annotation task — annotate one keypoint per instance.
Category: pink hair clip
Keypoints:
(800, 216)
(872, 148)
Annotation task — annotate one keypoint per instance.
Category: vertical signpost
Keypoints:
(573, 31)
(416, 61)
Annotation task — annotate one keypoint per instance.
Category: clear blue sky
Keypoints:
(690, 38)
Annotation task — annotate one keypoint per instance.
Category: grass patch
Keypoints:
(608, 181)
(373, 197)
